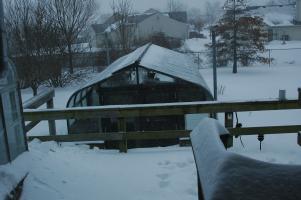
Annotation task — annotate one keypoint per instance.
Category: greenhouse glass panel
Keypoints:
(3, 148)
(14, 125)
(152, 77)
(125, 77)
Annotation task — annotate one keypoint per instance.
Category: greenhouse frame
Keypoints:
(150, 74)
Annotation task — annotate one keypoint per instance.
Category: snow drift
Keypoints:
(226, 175)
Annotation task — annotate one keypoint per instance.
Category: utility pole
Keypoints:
(3, 55)
(107, 49)
(234, 38)
(213, 35)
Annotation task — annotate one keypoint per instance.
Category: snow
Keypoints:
(223, 174)
(172, 63)
(112, 27)
(11, 174)
(76, 172)
(278, 19)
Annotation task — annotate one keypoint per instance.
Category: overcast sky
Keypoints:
(142, 5)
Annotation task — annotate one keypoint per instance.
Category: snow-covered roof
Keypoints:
(158, 59)
(276, 16)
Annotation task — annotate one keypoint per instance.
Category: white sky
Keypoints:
(142, 5)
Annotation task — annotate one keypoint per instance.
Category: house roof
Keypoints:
(158, 59)
(99, 28)
(151, 10)
(136, 19)
(180, 16)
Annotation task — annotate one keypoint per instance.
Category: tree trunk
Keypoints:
(34, 90)
(70, 58)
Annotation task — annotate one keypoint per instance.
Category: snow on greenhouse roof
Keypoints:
(172, 63)
(155, 58)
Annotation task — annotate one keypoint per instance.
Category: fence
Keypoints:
(37, 101)
(125, 111)
(274, 56)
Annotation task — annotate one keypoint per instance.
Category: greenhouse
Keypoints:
(12, 134)
(150, 74)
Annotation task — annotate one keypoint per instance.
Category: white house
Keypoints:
(173, 25)
(290, 31)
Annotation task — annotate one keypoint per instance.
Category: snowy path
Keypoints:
(73, 172)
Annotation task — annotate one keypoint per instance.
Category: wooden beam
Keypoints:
(148, 135)
(160, 135)
(31, 125)
(78, 137)
(51, 123)
(159, 109)
(39, 100)
(265, 130)
(123, 144)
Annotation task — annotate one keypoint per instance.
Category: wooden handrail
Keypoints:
(39, 100)
(167, 134)
(159, 109)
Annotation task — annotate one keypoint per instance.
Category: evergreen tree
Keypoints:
(241, 37)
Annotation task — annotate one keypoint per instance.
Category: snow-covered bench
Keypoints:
(228, 176)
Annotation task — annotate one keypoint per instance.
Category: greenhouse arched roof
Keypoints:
(155, 58)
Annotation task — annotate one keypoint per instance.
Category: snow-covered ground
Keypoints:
(75, 172)
(71, 172)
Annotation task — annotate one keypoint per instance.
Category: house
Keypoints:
(173, 25)
(150, 74)
(290, 31)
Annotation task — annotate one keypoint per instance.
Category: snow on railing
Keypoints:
(226, 175)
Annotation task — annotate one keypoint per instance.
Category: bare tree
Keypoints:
(124, 23)
(34, 40)
(213, 10)
(19, 18)
(175, 6)
(72, 17)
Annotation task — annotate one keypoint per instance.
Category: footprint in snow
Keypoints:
(164, 184)
(163, 176)
(166, 162)
(191, 192)
(181, 164)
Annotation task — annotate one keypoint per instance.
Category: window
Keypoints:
(285, 37)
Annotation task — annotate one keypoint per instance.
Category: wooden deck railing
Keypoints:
(45, 97)
(124, 111)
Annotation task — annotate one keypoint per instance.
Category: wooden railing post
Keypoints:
(299, 138)
(123, 146)
(299, 94)
(51, 123)
(228, 139)
(229, 119)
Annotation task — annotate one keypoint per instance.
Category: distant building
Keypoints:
(173, 25)
(288, 32)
